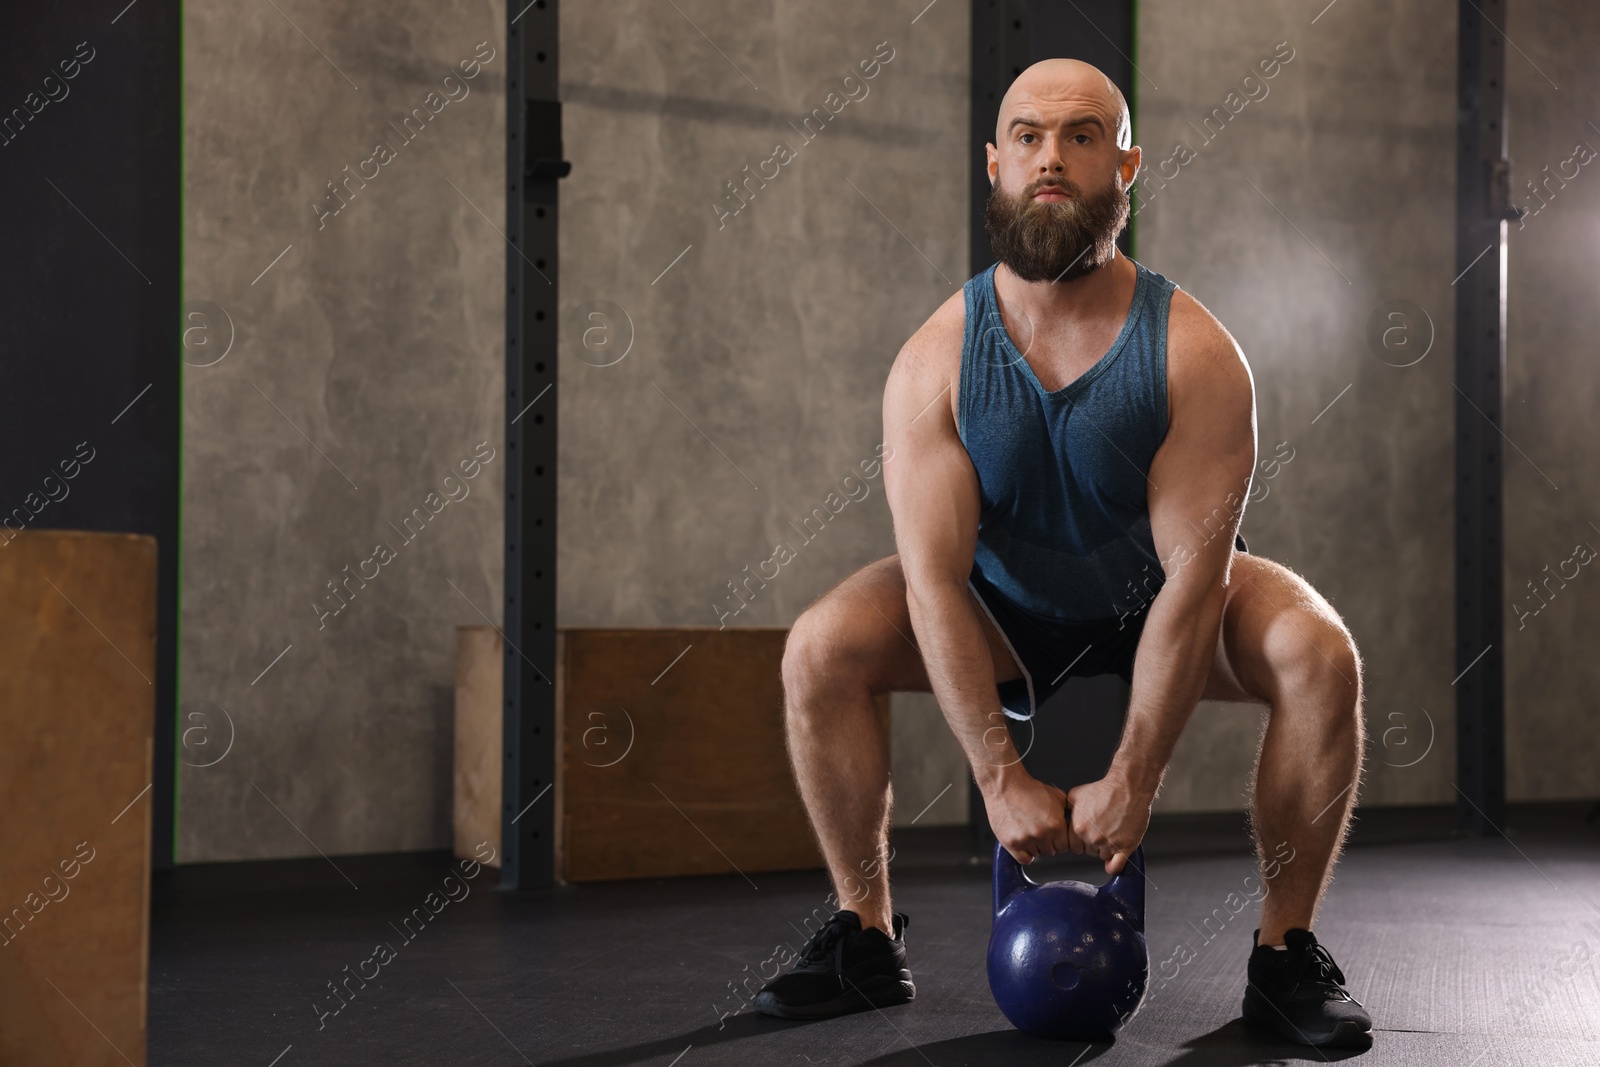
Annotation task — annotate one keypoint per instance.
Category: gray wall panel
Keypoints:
(366, 364)
(1552, 394)
(1326, 195)
(754, 385)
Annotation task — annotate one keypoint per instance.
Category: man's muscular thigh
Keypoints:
(873, 600)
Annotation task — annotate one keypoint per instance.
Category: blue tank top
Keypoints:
(1064, 529)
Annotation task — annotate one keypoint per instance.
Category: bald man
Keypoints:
(1072, 439)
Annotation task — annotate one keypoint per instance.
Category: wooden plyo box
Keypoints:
(480, 742)
(77, 707)
(673, 754)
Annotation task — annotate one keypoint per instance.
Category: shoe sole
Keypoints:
(881, 993)
(1262, 1013)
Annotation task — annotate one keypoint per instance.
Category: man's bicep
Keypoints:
(931, 484)
(1200, 477)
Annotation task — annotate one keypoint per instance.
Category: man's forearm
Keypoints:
(955, 651)
(1169, 674)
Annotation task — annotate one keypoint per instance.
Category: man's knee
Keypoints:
(1315, 663)
(804, 650)
(831, 645)
(820, 648)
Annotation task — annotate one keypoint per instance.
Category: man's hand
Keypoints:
(1109, 819)
(1029, 817)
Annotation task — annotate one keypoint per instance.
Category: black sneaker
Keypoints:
(1300, 996)
(842, 969)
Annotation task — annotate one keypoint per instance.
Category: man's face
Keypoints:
(1063, 147)
(1053, 239)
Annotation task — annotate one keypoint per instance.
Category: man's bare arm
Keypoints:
(935, 501)
(1198, 483)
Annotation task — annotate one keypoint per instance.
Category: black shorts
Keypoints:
(1049, 652)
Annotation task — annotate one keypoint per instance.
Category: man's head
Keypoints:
(1060, 167)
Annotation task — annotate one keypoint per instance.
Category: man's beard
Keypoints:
(1055, 241)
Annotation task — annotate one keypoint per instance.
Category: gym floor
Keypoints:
(1469, 953)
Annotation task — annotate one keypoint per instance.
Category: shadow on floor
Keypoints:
(1010, 1047)
(735, 1028)
(1237, 1045)
(1232, 1045)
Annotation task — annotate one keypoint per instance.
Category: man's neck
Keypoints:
(1094, 294)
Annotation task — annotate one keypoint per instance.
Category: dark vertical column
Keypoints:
(1483, 189)
(533, 166)
(91, 167)
(1100, 32)
(1000, 36)
(1010, 35)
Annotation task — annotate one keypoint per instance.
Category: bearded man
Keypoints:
(1073, 439)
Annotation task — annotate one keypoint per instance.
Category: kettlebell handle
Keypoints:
(1126, 887)
(1009, 877)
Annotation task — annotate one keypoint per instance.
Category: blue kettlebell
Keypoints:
(1066, 960)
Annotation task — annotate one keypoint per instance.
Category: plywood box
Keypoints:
(480, 678)
(673, 756)
(77, 707)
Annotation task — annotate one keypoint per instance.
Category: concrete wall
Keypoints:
(1552, 393)
(1292, 217)
(366, 364)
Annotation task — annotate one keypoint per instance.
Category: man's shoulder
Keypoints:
(929, 363)
(1207, 372)
(1197, 342)
(942, 332)
(935, 347)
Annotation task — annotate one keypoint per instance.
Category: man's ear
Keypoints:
(1135, 157)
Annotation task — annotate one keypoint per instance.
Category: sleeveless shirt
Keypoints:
(1064, 528)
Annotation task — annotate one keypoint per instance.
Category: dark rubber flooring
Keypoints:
(1468, 953)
